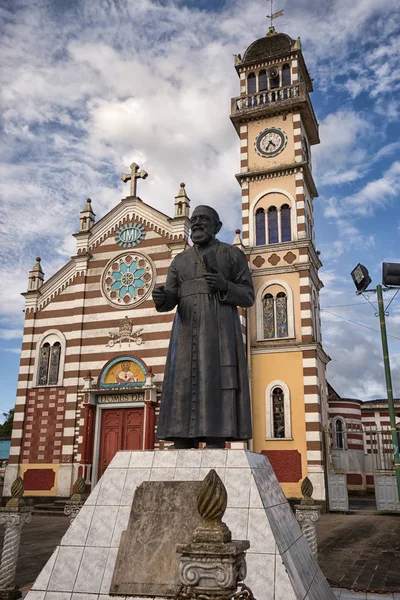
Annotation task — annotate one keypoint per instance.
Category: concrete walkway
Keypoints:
(357, 553)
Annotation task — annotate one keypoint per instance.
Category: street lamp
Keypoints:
(391, 280)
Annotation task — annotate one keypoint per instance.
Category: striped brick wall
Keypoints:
(245, 185)
(312, 403)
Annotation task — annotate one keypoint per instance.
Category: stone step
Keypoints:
(48, 513)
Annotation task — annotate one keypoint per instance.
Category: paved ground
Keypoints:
(357, 552)
(360, 552)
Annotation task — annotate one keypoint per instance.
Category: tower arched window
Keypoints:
(251, 83)
(262, 81)
(278, 412)
(275, 316)
(260, 227)
(286, 233)
(273, 234)
(286, 79)
(273, 78)
(50, 358)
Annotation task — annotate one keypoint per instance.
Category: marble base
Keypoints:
(280, 565)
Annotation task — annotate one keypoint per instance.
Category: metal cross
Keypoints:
(133, 177)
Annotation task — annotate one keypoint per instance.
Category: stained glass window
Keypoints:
(54, 365)
(269, 316)
(272, 225)
(262, 81)
(281, 315)
(251, 83)
(286, 234)
(278, 413)
(286, 75)
(43, 370)
(260, 227)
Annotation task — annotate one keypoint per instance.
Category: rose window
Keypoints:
(127, 279)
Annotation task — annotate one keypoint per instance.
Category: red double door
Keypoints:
(121, 429)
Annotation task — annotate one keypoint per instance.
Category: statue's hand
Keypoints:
(216, 281)
(159, 295)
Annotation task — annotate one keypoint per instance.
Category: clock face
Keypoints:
(270, 142)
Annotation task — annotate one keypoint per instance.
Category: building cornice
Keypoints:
(281, 171)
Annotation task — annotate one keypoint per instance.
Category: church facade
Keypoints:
(94, 347)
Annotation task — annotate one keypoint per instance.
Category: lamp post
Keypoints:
(391, 280)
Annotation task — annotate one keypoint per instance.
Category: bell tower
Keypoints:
(276, 124)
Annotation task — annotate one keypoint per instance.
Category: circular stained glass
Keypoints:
(128, 279)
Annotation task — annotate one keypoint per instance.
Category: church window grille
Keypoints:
(286, 75)
(275, 316)
(44, 357)
(278, 413)
(251, 83)
(273, 237)
(269, 316)
(286, 234)
(262, 81)
(260, 227)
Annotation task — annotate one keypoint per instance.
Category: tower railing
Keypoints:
(261, 100)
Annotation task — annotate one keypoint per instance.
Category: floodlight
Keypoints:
(361, 278)
(391, 274)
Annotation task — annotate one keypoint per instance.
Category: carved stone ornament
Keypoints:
(274, 259)
(289, 257)
(258, 261)
(212, 564)
(125, 334)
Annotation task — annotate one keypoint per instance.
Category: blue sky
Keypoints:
(86, 87)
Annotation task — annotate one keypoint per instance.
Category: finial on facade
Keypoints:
(17, 491)
(182, 202)
(271, 31)
(78, 489)
(36, 276)
(87, 217)
(307, 489)
(133, 176)
(238, 240)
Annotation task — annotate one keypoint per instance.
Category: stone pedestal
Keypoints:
(72, 508)
(280, 564)
(308, 516)
(13, 517)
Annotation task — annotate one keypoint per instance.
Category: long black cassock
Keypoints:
(206, 390)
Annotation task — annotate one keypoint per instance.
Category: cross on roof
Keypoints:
(133, 177)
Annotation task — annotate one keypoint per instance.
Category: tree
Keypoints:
(6, 426)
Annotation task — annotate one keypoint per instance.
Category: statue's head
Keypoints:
(204, 225)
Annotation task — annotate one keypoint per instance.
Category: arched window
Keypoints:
(286, 234)
(286, 75)
(275, 316)
(273, 234)
(338, 433)
(260, 227)
(51, 356)
(278, 412)
(273, 78)
(251, 83)
(262, 81)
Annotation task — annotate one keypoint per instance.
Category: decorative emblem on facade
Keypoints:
(274, 259)
(124, 371)
(130, 235)
(125, 334)
(128, 279)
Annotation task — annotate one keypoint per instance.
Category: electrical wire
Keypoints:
(358, 324)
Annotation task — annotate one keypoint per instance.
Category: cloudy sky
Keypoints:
(88, 86)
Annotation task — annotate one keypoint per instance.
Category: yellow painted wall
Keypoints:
(52, 491)
(257, 162)
(286, 183)
(288, 368)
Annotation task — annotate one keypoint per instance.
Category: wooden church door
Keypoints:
(121, 429)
